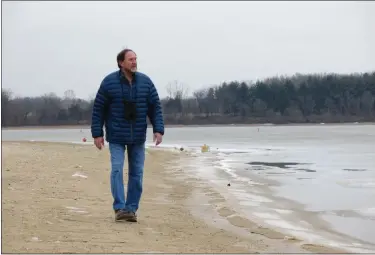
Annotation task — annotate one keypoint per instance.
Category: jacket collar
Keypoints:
(124, 79)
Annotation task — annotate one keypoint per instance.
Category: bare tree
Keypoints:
(177, 90)
(6, 96)
(69, 99)
(177, 93)
(69, 94)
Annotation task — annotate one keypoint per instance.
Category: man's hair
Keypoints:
(121, 56)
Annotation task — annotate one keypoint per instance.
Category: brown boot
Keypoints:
(123, 215)
(132, 217)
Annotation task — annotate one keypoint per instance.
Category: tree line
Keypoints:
(312, 98)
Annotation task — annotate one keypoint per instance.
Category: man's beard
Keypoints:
(131, 70)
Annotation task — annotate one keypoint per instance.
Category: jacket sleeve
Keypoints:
(99, 111)
(155, 113)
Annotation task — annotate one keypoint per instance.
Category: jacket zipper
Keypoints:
(131, 122)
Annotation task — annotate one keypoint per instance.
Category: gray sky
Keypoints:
(56, 46)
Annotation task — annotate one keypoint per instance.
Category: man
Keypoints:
(123, 102)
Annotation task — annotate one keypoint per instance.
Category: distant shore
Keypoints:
(57, 196)
(192, 125)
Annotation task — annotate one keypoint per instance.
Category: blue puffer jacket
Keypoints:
(109, 107)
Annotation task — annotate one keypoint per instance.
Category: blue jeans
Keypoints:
(136, 159)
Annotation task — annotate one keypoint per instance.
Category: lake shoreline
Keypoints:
(193, 125)
(255, 196)
(319, 153)
(51, 203)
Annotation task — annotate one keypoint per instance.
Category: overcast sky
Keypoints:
(56, 46)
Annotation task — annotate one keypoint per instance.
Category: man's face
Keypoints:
(130, 62)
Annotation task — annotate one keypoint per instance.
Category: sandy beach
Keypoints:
(56, 199)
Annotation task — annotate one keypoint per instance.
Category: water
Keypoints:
(315, 181)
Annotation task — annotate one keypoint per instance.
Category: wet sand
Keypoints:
(56, 199)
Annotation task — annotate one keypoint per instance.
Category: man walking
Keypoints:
(123, 102)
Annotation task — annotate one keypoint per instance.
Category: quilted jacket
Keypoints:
(109, 109)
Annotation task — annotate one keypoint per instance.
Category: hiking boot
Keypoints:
(132, 217)
(122, 215)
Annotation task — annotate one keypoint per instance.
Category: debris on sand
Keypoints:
(205, 148)
(79, 175)
(35, 239)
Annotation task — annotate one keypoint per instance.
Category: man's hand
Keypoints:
(99, 142)
(158, 138)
